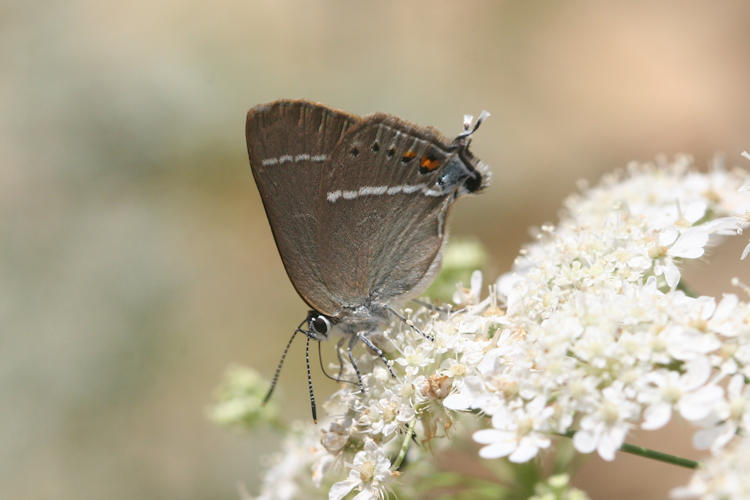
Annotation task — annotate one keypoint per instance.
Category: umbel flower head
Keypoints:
(591, 334)
(240, 399)
(723, 476)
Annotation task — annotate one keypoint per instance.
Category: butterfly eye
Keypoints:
(320, 325)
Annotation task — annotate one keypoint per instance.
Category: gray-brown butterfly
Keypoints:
(357, 207)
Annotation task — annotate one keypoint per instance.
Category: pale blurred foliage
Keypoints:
(136, 260)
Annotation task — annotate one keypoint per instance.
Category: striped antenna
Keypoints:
(309, 380)
(281, 362)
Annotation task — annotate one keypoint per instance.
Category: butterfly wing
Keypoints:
(382, 208)
(289, 144)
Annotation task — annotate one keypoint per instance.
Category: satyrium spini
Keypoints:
(357, 207)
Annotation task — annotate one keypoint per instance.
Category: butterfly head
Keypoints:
(464, 170)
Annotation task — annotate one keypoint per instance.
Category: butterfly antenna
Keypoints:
(281, 363)
(411, 324)
(309, 381)
(468, 129)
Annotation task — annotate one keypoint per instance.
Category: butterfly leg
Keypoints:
(349, 347)
(410, 324)
(377, 351)
(339, 346)
(432, 307)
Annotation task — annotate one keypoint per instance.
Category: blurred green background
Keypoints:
(136, 261)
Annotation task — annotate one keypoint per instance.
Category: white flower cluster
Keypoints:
(594, 338)
(608, 342)
(724, 476)
(290, 472)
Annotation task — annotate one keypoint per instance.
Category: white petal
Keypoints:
(690, 491)
(697, 372)
(527, 449)
(729, 431)
(699, 404)
(656, 416)
(536, 405)
(503, 419)
(487, 365)
(584, 441)
(497, 450)
(487, 436)
(476, 283)
(499, 443)
(610, 442)
(726, 308)
(745, 252)
(457, 401)
(714, 437)
(685, 345)
(367, 494)
(506, 283)
(689, 245)
(341, 489)
(694, 211)
(639, 262)
(668, 236)
(671, 274)
(735, 385)
(707, 306)
(727, 226)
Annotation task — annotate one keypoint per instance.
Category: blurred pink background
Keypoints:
(136, 261)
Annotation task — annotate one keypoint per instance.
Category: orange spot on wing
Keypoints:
(429, 164)
(410, 154)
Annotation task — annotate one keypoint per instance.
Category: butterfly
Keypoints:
(357, 207)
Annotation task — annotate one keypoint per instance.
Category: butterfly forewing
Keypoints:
(381, 223)
(289, 144)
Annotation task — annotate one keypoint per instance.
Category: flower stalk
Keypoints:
(649, 453)
(404, 445)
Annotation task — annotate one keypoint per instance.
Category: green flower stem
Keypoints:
(649, 453)
(658, 455)
(405, 445)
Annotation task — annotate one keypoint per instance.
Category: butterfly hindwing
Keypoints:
(381, 219)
